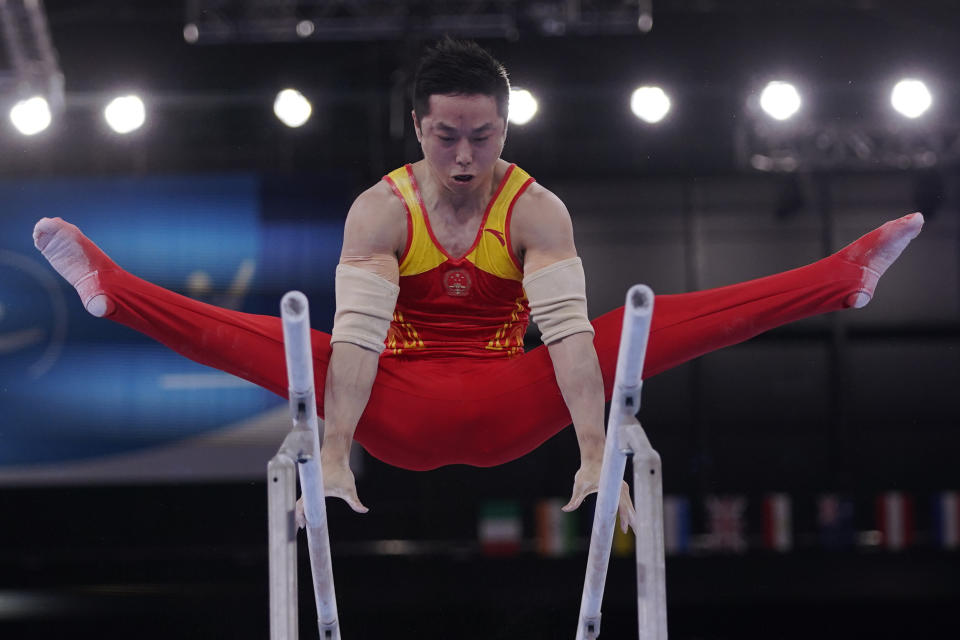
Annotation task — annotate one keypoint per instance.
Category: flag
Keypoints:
(676, 524)
(555, 529)
(894, 513)
(500, 529)
(725, 523)
(835, 521)
(777, 522)
(946, 519)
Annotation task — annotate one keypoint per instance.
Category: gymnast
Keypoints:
(443, 263)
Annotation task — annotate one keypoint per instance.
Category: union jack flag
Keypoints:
(725, 523)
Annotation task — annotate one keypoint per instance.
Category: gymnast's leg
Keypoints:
(246, 345)
(689, 325)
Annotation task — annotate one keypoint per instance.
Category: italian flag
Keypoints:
(500, 528)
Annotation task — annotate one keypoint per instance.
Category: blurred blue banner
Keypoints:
(87, 400)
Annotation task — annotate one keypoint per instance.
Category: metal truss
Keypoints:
(781, 147)
(230, 21)
(28, 61)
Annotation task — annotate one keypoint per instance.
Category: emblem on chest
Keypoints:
(457, 283)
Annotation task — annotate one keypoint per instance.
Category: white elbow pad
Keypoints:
(558, 300)
(365, 304)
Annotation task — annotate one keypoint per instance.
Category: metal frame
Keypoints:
(625, 437)
(28, 64)
(228, 21)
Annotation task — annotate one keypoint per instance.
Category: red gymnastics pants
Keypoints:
(423, 414)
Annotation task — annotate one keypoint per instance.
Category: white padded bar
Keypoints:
(295, 313)
(637, 312)
(623, 434)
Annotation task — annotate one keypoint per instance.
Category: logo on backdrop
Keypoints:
(199, 285)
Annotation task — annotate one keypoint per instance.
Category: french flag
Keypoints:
(895, 520)
(946, 519)
(777, 522)
(676, 524)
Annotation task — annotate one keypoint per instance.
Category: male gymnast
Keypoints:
(443, 263)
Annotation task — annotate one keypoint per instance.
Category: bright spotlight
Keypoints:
(780, 100)
(523, 106)
(305, 28)
(650, 104)
(191, 33)
(645, 22)
(911, 98)
(125, 114)
(31, 116)
(292, 108)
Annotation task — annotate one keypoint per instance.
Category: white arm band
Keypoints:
(558, 300)
(365, 304)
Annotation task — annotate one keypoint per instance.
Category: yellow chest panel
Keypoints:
(491, 250)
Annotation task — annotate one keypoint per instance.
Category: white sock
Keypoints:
(877, 251)
(75, 258)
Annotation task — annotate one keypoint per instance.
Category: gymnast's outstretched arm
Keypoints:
(367, 285)
(554, 284)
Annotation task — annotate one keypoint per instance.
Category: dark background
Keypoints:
(858, 403)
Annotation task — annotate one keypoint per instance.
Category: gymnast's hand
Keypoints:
(587, 481)
(338, 482)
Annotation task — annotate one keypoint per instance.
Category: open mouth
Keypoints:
(463, 178)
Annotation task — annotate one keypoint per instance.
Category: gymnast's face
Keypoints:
(462, 137)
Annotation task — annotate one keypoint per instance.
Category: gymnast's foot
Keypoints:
(876, 251)
(77, 259)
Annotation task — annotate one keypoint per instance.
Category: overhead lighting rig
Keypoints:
(851, 145)
(231, 21)
(31, 82)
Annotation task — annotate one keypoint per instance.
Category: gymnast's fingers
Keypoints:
(299, 515)
(579, 493)
(628, 516)
(350, 497)
(357, 506)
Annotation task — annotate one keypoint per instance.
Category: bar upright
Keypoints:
(625, 437)
(300, 449)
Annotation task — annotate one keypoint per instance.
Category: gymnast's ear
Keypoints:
(416, 125)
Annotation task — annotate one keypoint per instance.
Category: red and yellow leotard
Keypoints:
(469, 306)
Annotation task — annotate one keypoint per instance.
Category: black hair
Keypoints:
(459, 67)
